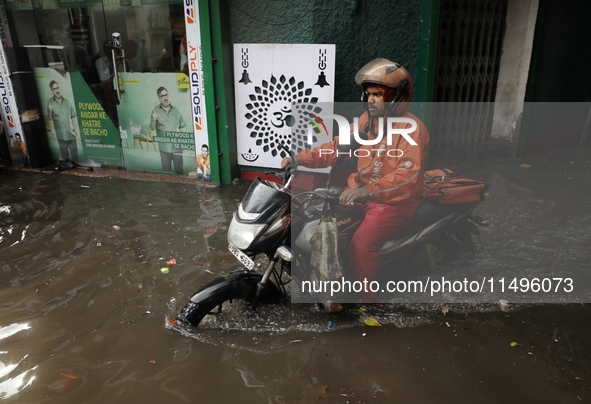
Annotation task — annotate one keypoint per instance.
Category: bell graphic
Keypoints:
(321, 80)
(245, 79)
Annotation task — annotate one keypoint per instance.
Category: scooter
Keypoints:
(270, 214)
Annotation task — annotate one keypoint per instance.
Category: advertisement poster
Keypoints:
(77, 127)
(100, 139)
(154, 119)
(45, 76)
(5, 35)
(9, 115)
(196, 89)
(268, 78)
(54, 4)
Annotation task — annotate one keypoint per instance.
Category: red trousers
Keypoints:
(380, 224)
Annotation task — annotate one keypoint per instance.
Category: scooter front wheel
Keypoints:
(240, 285)
(195, 312)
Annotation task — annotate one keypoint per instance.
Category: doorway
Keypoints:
(470, 42)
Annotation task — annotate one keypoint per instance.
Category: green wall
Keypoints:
(362, 30)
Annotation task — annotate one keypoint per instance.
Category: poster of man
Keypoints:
(76, 125)
(22, 148)
(63, 116)
(160, 134)
(204, 170)
(17, 149)
(165, 117)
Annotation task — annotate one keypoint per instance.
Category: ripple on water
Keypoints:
(273, 327)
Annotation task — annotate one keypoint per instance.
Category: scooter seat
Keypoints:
(428, 213)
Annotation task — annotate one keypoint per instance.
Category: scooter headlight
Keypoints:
(245, 215)
(243, 234)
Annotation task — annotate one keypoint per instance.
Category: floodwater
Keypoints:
(85, 306)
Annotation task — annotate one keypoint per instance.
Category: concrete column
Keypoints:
(514, 69)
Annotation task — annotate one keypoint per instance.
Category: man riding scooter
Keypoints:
(390, 187)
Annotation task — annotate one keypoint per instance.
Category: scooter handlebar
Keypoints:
(332, 194)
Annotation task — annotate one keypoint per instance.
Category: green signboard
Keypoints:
(77, 126)
(155, 119)
(100, 137)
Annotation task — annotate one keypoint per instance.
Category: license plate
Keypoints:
(243, 258)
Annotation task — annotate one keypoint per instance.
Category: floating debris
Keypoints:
(504, 304)
(372, 322)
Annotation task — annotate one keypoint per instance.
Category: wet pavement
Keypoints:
(85, 305)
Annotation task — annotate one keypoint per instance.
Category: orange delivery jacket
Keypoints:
(391, 180)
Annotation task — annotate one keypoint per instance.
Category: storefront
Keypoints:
(135, 113)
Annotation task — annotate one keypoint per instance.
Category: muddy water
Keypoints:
(84, 305)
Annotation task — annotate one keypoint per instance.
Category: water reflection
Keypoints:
(16, 384)
(10, 383)
(12, 329)
(82, 264)
(212, 216)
